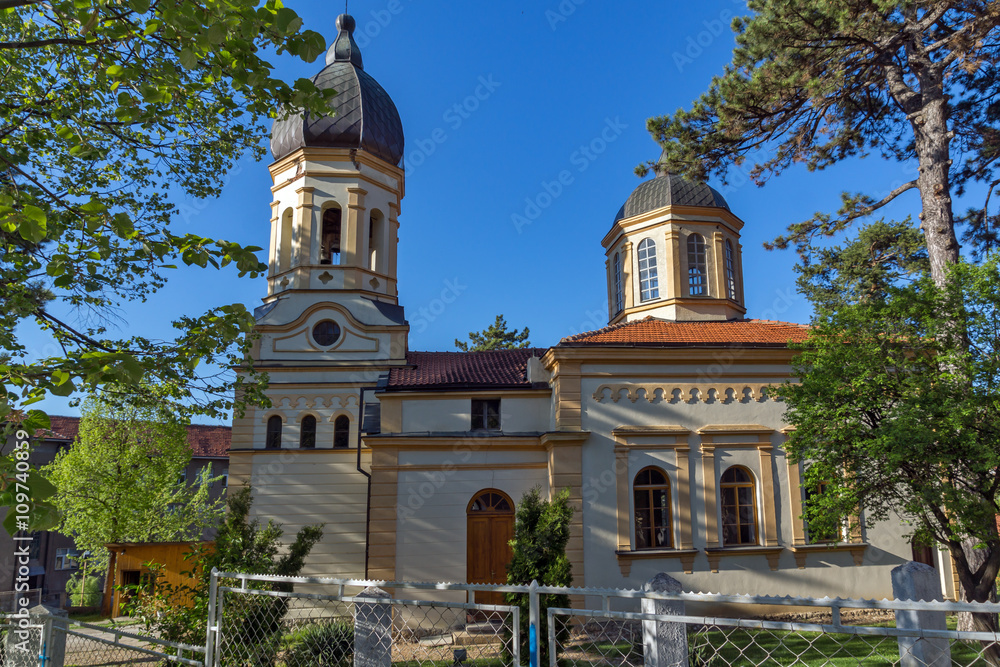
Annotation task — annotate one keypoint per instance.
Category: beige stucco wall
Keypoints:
(300, 488)
(452, 413)
(826, 573)
(431, 532)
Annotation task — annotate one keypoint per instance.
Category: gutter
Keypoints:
(368, 495)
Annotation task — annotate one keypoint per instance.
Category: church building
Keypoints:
(660, 425)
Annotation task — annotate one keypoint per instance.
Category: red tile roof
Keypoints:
(493, 369)
(206, 441)
(655, 332)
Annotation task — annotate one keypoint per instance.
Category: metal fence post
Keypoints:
(212, 621)
(533, 614)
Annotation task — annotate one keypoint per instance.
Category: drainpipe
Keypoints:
(368, 498)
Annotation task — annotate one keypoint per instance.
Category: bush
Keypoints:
(541, 533)
(326, 644)
(85, 591)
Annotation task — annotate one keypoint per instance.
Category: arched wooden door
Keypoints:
(490, 528)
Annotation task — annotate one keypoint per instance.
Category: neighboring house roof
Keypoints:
(207, 441)
(494, 369)
(663, 333)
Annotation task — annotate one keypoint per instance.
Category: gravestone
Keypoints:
(373, 629)
(23, 642)
(916, 581)
(664, 643)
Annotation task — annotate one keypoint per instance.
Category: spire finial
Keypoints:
(344, 48)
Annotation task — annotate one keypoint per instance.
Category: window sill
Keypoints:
(626, 556)
(856, 549)
(715, 554)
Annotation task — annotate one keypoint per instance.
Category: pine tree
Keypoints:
(495, 337)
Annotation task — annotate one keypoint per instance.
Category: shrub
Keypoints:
(324, 644)
(84, 591)
(541, 533)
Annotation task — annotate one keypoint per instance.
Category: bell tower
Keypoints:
(330, 326)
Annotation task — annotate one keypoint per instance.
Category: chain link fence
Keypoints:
(604, 638)
(259, 623)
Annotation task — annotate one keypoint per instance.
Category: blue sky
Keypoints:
(497, 99)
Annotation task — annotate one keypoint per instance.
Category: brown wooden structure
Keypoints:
(128, 566)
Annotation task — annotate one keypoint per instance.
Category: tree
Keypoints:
(898, 413)
(495, 337)
(107, 111)
(121, 480)
(541, 533)
(241, 545)
(820, 81)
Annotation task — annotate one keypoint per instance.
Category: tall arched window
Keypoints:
(649, 286)
(697, 266)
(273, 440)
(651, 494)
(307, 432)
(341, 432)
(730, 271)
(619, 295)
(329, 249)
(376, 231)
(285, 242)
(739, 507)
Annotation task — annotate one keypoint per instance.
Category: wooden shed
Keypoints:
(128, 566)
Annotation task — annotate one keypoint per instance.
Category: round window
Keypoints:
(326, 333)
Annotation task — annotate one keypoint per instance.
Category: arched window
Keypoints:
(329, 249)
(341, 432)
(649, 286)
(697, 271)
(273, 440)
(651, 493)
(730, 271)
(619, 295)
(739, 507)
(376, 231)
(307, 432)
(285, 242)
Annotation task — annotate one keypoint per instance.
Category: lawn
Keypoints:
(721, 647)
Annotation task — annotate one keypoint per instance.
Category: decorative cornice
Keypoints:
(683, 393)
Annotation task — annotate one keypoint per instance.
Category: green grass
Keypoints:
(476, 662)
(719, 648)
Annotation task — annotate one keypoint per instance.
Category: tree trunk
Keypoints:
(977, 583)
(931, 134)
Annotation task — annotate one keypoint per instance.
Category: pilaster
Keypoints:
(302, 236)
(353, 235)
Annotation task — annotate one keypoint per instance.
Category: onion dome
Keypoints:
(364, 115)
(669, 190)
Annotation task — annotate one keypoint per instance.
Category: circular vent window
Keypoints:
(326, 333)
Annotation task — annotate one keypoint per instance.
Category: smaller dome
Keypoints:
(669, 190)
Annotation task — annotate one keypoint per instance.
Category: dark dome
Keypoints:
(669, 190)
(364, 117)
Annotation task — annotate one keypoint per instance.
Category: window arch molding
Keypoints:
(285, 233)
(342, 422)
(697, 265)
(273, 432)
(729, 264)
(490, 501)
(652, 509)
(647, 258)
(738, 501)
(307, 435)
(331, 233)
